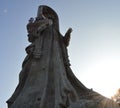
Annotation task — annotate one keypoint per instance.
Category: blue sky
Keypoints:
(94, 50)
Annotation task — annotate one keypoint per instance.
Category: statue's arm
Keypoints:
(67, 36)
(34, 28)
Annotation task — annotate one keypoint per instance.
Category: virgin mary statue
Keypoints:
(46, 79)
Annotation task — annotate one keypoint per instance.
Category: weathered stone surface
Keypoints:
(84, 103)
(46, 79)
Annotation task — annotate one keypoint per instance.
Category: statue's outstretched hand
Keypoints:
(69, 30)
(67, 36)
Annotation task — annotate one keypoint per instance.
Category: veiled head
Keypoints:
(50, 14)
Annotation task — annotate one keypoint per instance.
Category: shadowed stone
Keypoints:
(46, 79)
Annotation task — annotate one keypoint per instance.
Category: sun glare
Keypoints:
(103, 76)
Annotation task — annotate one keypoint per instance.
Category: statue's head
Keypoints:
(48, 13)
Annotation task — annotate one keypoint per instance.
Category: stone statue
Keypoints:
(46, 79)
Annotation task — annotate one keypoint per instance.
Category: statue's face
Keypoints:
(40, 9)
(47, 12)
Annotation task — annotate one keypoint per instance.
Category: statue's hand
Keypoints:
(67, 36)
(69, 30)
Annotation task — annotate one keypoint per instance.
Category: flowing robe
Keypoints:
(48, 81)
(44, 82)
